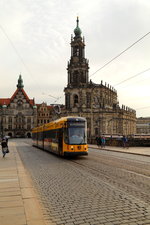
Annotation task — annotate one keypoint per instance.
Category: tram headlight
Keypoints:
(71, 147)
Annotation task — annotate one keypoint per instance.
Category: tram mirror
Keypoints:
(65, 125)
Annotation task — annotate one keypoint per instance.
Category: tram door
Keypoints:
(60, 141)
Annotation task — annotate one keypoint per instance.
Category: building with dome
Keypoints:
(18, 114)
(98, 103)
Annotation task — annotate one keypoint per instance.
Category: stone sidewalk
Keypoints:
(19, 203)
(145, 151)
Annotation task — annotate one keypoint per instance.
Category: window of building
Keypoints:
(28, 126)
(29, 120)
(9, 127)
(76, 100)
(67, 101)
(96, 131)
(88, 100)
(83, 77)
(10, 119)
(75, 77)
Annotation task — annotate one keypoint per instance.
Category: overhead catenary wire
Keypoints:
(13, 46)
(117, 56)
(57, 99)
(50, 95)
(146, 107)
(17, 53)
(22, 61)
(144, 71)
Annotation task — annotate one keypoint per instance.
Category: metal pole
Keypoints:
(91, 115)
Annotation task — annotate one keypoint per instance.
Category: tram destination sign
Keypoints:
(76, 124)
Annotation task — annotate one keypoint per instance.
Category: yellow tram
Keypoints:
(66, 136)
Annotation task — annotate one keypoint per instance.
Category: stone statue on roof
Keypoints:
(20, 82)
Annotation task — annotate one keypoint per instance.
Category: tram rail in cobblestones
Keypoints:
(108, 180)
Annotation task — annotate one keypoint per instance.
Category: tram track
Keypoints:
(127, 181)
(140, 167)
(126, 175)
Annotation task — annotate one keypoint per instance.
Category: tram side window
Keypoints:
(40, 136)
(34, 136)
(52, 135)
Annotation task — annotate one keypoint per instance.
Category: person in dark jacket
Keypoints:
(125, 141)
(98, 140)
(4, 147)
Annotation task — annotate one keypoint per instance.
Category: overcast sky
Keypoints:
(35, 41)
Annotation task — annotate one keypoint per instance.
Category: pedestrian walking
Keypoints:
(6, 138)
(103, 141)
(96, 140)
(4, 147)
(125, 141)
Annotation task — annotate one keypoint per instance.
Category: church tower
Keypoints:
(78, 65)
(78, 68)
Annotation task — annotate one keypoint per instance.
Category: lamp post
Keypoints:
(1, 127)
(91, 134)
(2, 119)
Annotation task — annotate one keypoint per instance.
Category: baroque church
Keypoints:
(18, 114)
(98, 103)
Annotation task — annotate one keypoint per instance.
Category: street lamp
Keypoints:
(2, 119)
(1, 127)
(92, 114)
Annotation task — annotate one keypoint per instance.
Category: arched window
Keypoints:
(76, 100)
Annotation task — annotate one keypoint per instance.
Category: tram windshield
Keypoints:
(77, 135)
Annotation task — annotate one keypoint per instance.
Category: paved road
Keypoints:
(104, 188)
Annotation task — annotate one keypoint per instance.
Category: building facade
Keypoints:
(98, 103)
(18, 114)
(143, 125)
(44, 113)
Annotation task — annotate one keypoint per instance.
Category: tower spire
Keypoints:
(77, 21)
(77, 30)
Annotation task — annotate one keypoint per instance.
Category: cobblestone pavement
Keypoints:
(98, 189)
